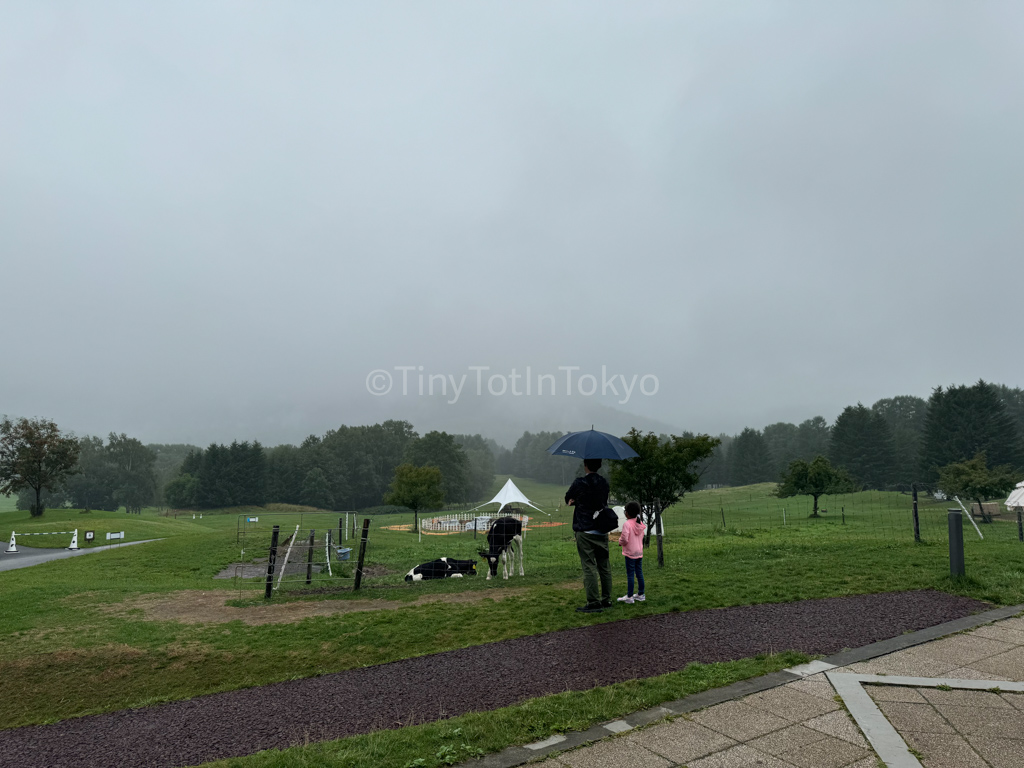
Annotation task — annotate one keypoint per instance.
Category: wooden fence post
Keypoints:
(272, 562)
(362, 552)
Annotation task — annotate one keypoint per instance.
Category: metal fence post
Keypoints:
(272, 562)
(309, 557)
(661, 532)
(362, 552)
(956, 543)
(1020, 525)
(917, 520)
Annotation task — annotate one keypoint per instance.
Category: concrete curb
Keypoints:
(519, 755)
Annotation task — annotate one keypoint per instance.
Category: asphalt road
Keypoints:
(28, 556)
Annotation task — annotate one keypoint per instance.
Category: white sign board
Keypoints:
(115, 535)
(252, 519)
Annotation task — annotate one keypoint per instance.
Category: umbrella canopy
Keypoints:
(1016, 497)
(591, 444)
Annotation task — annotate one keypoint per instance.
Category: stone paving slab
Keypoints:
(793, 719)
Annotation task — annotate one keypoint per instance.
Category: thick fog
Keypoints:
(226, 220)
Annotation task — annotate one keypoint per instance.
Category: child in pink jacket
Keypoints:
(632, 542)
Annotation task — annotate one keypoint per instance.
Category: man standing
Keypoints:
(589, 494)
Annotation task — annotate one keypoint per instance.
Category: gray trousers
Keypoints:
(597, 569)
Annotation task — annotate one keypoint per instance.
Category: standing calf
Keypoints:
(502, 537)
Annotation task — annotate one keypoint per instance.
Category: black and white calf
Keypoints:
(442, 568)
(504, 535)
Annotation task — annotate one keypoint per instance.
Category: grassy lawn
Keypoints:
(75, 638)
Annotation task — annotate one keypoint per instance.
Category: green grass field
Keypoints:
(77, 637)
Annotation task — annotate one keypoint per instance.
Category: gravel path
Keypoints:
(483, 677)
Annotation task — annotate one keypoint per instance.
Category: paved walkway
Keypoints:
(954, 702)
(27, 556)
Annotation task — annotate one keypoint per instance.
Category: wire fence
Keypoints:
(318, 552)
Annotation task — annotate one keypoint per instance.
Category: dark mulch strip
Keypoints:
(483, 677)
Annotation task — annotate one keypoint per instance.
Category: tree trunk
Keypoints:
(815, 512)
(37, 510)
(981, 510)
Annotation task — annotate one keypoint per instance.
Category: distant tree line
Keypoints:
(894, 444)
(346, 468)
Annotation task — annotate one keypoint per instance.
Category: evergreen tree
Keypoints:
(480, 468)
(749, 459)
(813, 437)
(1013, 402)
(965, 421)
(905, 415)
(782, 440)
(862, 444)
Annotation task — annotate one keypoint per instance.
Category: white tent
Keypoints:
(509, 494)
(1016, 497)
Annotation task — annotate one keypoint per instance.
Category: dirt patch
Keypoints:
(196, 607)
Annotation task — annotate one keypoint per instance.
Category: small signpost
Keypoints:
(111, 536)
(90, 535)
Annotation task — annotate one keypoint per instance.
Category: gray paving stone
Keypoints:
(840, 725)
(984, 721)
(613, 753)
(1001, 633)
(680, 740)
(963, 650)
(1000, 753)
(895, 693)
(1007, 666)
(739, 721)
(963, 698)
(969, 673)
(816, 685)
(867, 762)
(830, 752)
(791, 704)
(1014, 623)
(787, 739)
(910, 663)
(917, 718)
(1015, 700)
(740, 756)
(940, 750)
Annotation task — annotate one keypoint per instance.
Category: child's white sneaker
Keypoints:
(639, 598)
(626, 599)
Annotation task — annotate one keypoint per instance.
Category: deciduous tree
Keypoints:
(35, 454)
(815, 479)
(973, 479)
(666, 469)
(416, 488)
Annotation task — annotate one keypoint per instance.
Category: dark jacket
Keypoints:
(591, 495)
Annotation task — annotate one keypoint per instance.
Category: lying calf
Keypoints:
(442, 568)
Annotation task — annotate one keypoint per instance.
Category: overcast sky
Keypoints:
(217, 219)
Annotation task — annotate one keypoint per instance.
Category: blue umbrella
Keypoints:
(591, 444)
